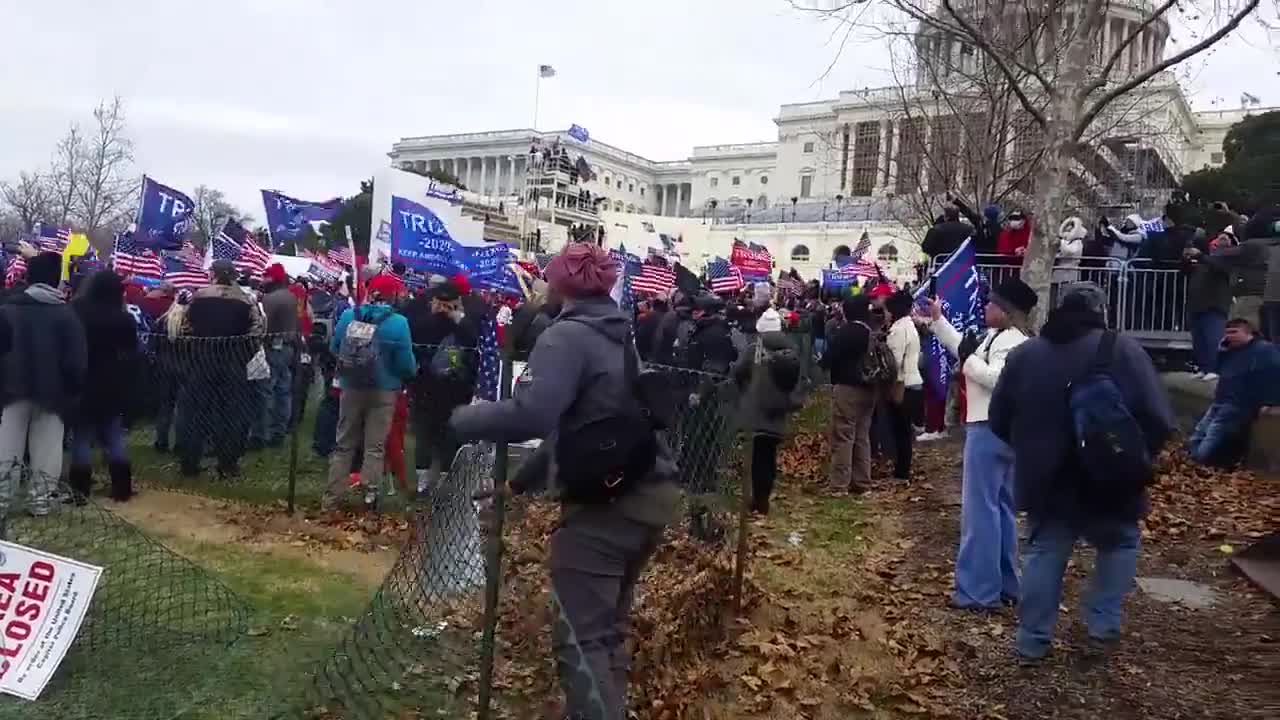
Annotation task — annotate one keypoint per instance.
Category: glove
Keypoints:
(968, 345)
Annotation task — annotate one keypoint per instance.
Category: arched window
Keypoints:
(617, 206)
(887, 253)
(607, 180)
(631, 208)
(762, 202)
(841, 250)
(800, 253)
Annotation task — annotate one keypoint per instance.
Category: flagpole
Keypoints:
(537, 95)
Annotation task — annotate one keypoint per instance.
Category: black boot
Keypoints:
(121, 481)
(80, 478)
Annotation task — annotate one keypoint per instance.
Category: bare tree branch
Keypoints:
(107, 185)
(1092, 111)
(999, 60)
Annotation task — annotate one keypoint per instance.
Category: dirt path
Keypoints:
(1173, 663)
(366, 555)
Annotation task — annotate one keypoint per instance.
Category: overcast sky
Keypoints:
(308, 95)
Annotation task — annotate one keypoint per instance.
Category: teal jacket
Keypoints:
(395, 343)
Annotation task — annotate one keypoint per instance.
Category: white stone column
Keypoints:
(511, 175)
(895, 149)
(484, 175)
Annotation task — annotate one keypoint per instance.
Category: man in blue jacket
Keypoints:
(1029, 410)
(371, 373)
(1249, 378)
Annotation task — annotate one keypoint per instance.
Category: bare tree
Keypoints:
(1068, 63)
(30, 199)
(66, 174)
(211, 211)
(108, 184)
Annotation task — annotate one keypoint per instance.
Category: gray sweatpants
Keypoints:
(597, 556)
(29, 430)
(363, 416)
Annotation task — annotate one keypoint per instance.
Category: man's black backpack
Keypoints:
(604, 459)
(1111, 446)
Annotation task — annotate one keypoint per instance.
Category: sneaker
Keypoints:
(930, 436)
(1210, 377)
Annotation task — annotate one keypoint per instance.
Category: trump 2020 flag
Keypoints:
(493, 268)
(959, 287)
(164, 216)
(288, 217)
(420, 240)
(579, 133)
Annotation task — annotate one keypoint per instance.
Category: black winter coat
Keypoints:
(945, 238)
(49, 358)
(114, 362)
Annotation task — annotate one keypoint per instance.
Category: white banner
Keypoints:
(43, 600)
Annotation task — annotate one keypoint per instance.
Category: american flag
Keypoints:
(236, 244)
(342, 256)
(184, 276)
(16, 271)
(654, 278)
(51, 239)
(129, 259)
(490, 364)
(863, 247)
(790, 285)
(189, 255)
(723, 277)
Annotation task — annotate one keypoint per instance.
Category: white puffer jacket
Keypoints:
(982, 369)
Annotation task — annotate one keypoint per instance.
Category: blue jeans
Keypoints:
(109, 436)
(1207, 329)
(278, 408)
(987, 562)
(1050, 542)
(1219, 425)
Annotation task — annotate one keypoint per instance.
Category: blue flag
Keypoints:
(164, 216)
(579, 133)
(490, 268)
(959, 287)
(288, 217)
(420, 240)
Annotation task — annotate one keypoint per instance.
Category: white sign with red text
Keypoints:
(43, 600)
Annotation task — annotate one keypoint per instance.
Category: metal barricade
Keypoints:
(1154, 302)
(1145, 300)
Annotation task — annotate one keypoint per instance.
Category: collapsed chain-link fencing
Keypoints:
(156, 621)
(427, 642)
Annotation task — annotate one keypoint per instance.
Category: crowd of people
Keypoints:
(634, 405)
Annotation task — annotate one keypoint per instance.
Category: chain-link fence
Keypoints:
(427, 643)
(154, 620)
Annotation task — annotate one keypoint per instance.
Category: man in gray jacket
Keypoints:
(280, 310)
(599, 551)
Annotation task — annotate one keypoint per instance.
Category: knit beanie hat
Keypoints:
(1013, 295)
(582, 270)
(45, 269)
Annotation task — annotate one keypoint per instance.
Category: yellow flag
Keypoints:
(77, 244)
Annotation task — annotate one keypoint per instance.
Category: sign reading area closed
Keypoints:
(43, 600)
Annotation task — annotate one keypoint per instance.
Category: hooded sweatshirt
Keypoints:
(49, 358)
(395, 344)
(577, 378)
(766, 405)
(1029, 411)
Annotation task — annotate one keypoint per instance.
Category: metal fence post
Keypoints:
(744, 515)
(493, 566)
(291, 498)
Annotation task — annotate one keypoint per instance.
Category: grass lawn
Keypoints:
(297, 613)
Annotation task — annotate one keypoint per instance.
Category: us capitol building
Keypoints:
(854, 164)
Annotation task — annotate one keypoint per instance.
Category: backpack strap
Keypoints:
(1106, 351)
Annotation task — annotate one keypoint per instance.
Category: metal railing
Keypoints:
(1145, 300)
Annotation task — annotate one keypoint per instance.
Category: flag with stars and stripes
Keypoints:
(236, 244)
(655, 277)
(490, 365)
(52, 239)
(723, 277)
(623, 291)
(342, 256)
(129, 259)
(16, 270)
(183, 276)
